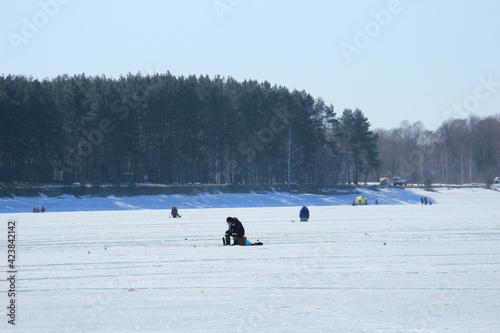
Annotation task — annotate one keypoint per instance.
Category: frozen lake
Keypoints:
(387, 268)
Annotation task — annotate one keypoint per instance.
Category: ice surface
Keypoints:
(387, 268)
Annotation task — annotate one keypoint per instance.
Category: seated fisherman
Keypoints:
(304, 214)
(235, 230)
(174, 212)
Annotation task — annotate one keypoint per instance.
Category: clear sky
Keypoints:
(415, 60)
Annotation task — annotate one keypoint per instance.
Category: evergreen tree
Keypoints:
(357, 144)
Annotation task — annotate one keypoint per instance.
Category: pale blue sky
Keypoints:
(395, 60)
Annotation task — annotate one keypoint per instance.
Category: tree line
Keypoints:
(176, 130)
(460, 151)
(183, 130)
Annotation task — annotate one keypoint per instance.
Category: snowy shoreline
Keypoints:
(384, 196)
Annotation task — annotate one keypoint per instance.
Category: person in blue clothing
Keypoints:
(304, 214)
(235, 230)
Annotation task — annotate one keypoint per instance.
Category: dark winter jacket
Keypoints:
(174, 212)
(236, 230)
(304, 212)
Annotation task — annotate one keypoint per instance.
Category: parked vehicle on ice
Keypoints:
(399, 181)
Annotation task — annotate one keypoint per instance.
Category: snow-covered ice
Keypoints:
(398, 267)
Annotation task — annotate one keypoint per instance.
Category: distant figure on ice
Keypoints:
(174, 213)
(425, 201)
(422, 200)
(42, 209)
(376, 202)
(236, 230)
(304, 214)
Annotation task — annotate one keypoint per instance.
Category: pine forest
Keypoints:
(166, 129)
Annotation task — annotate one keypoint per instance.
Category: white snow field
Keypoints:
(377, 268)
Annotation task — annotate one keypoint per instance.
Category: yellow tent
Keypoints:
(361, 201)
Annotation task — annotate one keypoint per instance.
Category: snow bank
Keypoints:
(62, 203)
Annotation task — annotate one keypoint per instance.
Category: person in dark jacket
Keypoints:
(174, 212)
(304, 214)
(235, 230)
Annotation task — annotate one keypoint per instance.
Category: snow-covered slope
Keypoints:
(385, 196)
